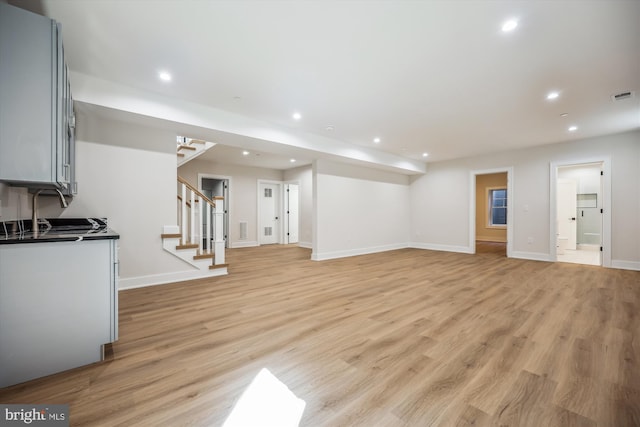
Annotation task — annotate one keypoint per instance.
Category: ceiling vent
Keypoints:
(622, 96)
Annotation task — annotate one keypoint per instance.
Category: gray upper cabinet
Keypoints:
(37, 143)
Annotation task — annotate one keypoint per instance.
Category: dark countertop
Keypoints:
(56, 230)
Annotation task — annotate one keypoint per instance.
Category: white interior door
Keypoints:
(291, 195)
(269, 199)
(567, 208)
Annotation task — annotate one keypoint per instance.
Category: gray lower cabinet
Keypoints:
(37, 122)
(58, 306)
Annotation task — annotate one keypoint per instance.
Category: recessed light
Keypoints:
(376, 140)
(552, 95)
(564, 114)
(425, 154)
(292, 160)
(509, 25)
(330, 128)
(164, 76)
(573, 128)
(245, 153)
(296, 116)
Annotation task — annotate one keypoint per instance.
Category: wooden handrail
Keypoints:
(195, 190)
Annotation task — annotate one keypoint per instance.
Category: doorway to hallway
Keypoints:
(214, 186)
(491, 210)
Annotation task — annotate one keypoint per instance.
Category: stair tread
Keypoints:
(188, 246)
(170, 235)
(213, 267)
(180, 154)
(203, 256)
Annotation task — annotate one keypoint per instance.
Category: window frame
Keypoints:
(489, 210)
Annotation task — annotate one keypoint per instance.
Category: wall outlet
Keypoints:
(530, 240)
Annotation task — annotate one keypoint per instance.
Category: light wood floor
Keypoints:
(409, 337)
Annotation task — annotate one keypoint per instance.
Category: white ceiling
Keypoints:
(424, 76)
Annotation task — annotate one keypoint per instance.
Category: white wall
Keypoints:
(439, 200)
(133, 187)
(304, 177)
(243, 193)
(358, 210)
(127, 173)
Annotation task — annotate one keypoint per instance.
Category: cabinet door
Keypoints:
(61, 141)
(57, 303)
(27, 93)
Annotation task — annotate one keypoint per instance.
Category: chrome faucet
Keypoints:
(34, 209)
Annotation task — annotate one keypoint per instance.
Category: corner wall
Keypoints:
(358, 210)
(304, 177)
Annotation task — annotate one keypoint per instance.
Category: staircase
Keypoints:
(198, 239)
(189, 149)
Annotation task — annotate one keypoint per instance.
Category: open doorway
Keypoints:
(579, 213)
(491, 213)
(213, 187)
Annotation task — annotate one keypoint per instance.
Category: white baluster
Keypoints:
(183, 218)
(192, 217)
(218, 234)
(209, 207)
(200, 217)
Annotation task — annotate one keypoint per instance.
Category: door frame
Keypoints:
(227, 203)
(472, 206)
(605, 182)
(279, 209)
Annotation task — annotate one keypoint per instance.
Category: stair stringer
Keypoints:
(200, 148)
(170, 244)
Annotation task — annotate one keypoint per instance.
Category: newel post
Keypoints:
(218, 235)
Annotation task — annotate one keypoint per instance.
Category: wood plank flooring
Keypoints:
(402, 338)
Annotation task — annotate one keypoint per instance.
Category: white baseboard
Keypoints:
(354, 252)
(244, 244)
(306, 245)
(443, 248)
(161, 279)
(625, 265)
(532, 256)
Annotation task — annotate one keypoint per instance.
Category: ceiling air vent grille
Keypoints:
(622, 96)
